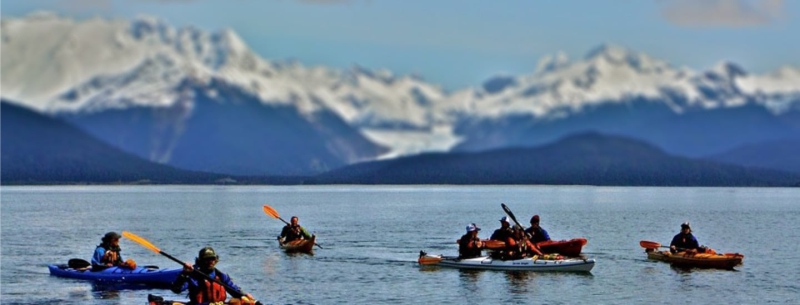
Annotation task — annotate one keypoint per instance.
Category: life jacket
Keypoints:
(511, 242)
(113, 256)
(467, 247)
(292, 233)
(209, 292)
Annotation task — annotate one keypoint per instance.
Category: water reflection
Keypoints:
(518, 281)
(299, 254)
(687, 270)
(105, 294)
(468, 282)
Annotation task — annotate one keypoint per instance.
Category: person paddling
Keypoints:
(293, 231)
(510, 236)
(685, 240)
(201, 290)
(536, 233)
(469, 246)
(107, 254)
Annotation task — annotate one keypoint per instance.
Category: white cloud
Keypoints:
(722, 13)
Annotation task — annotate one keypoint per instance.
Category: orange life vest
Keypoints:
(209, 292)
(510, 242)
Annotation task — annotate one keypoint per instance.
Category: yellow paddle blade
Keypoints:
(271, 212)
(649, 244)
(141, 241)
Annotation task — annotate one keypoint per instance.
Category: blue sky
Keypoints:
(463, 42)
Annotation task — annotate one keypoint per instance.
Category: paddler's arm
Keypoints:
(181, 283)
(97, 258)
(546, 236)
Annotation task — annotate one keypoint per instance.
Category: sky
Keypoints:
(459, 43)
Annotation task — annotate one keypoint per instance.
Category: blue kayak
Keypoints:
(140, 275)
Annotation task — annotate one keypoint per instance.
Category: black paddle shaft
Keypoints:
(510, 214)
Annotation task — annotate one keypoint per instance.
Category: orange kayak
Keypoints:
(299, 245)
(699, 260)
(570, 247)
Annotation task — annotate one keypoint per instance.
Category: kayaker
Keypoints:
(107, 254)
(505, 233)
(201, 290)
(536, 233)
(511, 237)
(684, 241)
(470, 245)
(293, 231)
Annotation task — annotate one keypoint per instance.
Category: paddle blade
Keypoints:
(77, 263)
(271, 212)
(429, 260)
(141, 241)
(508, 211)
(649, 244)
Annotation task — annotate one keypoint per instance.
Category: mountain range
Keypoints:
(43, 150)
(581, 159)
(203, 101)
(38, 149)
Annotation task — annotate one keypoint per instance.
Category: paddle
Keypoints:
(514, 218)
(274, 214)
(144, 243)
(510, 214)
(77, 263)
(652, 245)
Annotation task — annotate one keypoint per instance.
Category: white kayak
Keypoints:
(524, 264)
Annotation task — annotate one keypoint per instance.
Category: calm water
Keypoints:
(372, 236)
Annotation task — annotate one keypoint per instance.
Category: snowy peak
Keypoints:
(614, 74)
(728, 70)
(498, 83)
(550, 63)
(613, 55)
(117, 63)
(145, 27)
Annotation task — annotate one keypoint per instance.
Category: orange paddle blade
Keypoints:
(429, 260)
(649, 244)
(141, 241)
(271, 212)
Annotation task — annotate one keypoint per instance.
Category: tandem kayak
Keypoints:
(139, 275)
(698, 260)
(299, 245)
(524, 264)
(570, 247)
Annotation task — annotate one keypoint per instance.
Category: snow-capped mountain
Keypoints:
(94, 69)
(615, 75)
(98, 64)
(57, 65)
(616, 90)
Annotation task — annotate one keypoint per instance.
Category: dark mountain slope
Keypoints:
(586, 159)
